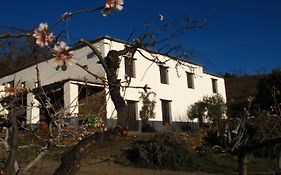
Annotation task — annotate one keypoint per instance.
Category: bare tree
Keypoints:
(156, 40)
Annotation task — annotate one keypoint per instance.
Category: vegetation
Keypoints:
(147, 109)
(256, 126)
(212, 108)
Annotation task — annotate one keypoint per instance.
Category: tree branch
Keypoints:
(98, 54)
(17, 35)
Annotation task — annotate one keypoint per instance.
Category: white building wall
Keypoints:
(49, 74)
(32, 109)
(70, 99)
(146, 73)
(177, 91)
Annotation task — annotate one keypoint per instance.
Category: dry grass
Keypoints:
(101, 160)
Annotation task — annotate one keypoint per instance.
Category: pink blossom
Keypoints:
(112, 4)
(66, 15)
(63, 53)
(250, 99)
(42, 35)
(161, 17)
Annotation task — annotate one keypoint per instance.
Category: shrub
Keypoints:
(94, 121)
(213, 108)
(165, 150)
(147, 110)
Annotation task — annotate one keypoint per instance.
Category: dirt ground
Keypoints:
(100, 161)
(105, 168)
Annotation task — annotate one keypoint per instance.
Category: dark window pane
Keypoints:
(164, 75)
(166, 111)
(90, 55)
(215, 85)
(190, 80)
(130, 67)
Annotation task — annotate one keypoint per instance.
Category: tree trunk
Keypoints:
(278, 162)
(200, 122)
(120, 105)
(70, 161)
(113, 63)
(242, 163)
(9, 168)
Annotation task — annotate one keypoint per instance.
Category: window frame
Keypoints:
(130, 67)
(164, 74)
(166, 111)
(190, 80)
(215, 85)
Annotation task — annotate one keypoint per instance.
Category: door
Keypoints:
(132, 117)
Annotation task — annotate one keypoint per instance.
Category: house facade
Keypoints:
(177, 84)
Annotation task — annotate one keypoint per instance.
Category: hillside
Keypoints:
(238, 89)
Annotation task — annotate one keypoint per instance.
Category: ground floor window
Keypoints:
(166, 112)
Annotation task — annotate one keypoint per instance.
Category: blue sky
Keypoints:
(241, 34)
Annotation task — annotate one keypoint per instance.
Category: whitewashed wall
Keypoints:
(177, 91)
(146, 73)
(49, 74)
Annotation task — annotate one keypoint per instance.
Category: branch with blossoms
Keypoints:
(45, 38)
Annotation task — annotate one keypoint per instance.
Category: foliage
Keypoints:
(165, 150)
(94, 121)
(269, 90)
(147, 110)
(17, 54)
(213, 108)
(148, 106)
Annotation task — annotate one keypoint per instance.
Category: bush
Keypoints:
(147, 110)
(94, 121)
(146, 127)
(165, 150)
(213, 108)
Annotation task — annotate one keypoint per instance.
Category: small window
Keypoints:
(85, 66)
(190, 80)
(130, 68)
(164, 78)
(215, 85)
(91, 55)
(166, 111)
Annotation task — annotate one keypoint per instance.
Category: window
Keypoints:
(164, 75)
(190, 80)
(215, 85)
(130, 68)
(90, 55)
(166, 112)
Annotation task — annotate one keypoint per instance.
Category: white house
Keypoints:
(177, 86)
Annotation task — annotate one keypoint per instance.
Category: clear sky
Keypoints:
(242, 34)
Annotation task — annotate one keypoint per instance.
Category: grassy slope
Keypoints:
(103, 157)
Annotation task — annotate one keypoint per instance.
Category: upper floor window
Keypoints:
(166, 111)
(190, 80)
(90, 55)
(130, 67)
(164, 77)
(215, 85)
